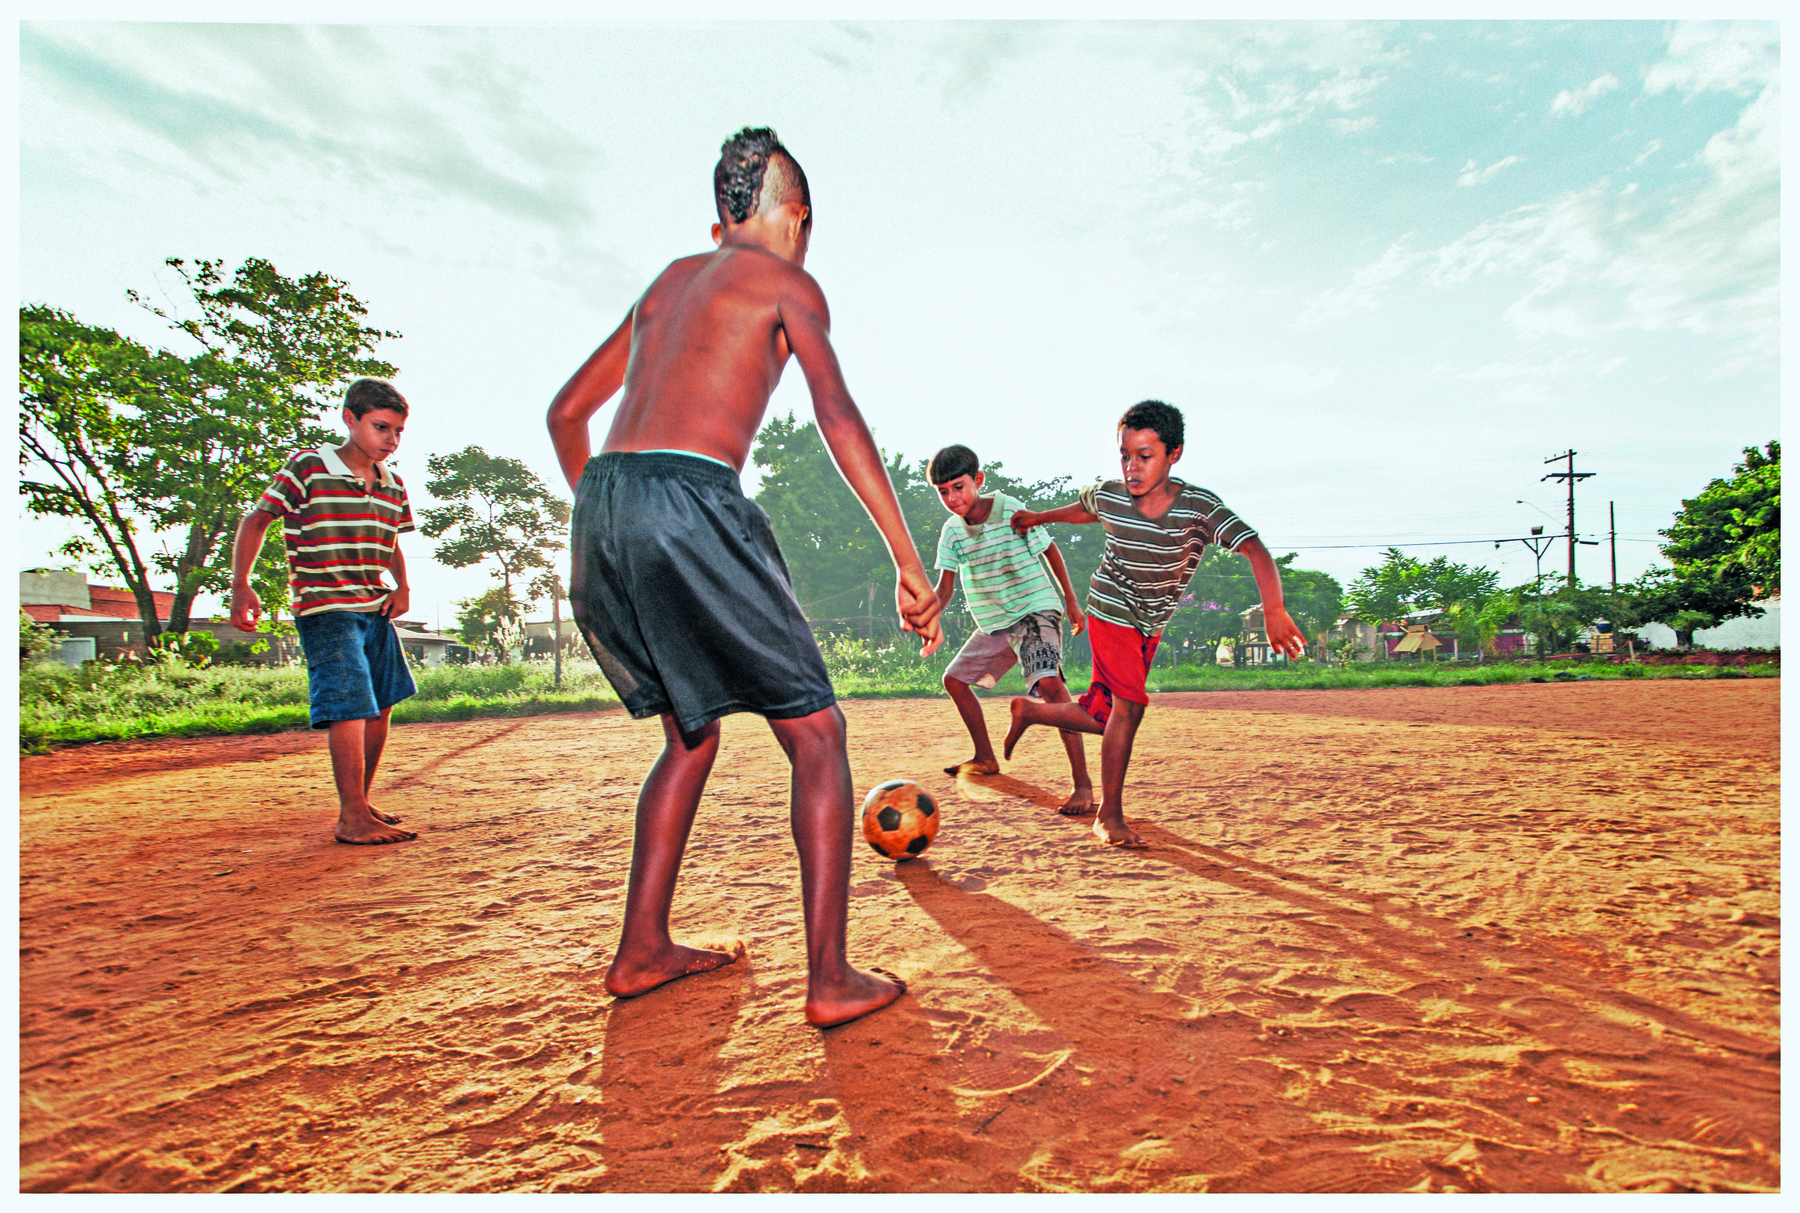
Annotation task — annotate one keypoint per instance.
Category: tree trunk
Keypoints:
(202, 541)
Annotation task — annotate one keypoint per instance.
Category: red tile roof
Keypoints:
(122, 604)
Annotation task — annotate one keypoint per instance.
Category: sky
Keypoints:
(1386, 269)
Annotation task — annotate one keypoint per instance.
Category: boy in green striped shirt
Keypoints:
(1017, 609)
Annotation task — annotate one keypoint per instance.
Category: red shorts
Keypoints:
(1121, 661)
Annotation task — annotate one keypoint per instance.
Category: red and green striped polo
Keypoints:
(340, 533)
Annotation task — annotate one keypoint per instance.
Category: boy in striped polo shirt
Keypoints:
(1156, 528)
(342, 514)
(1016, 608)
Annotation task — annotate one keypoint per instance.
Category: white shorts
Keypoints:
(1034, 644)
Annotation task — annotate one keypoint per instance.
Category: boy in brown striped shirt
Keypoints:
(1156, 529)
(343, 512)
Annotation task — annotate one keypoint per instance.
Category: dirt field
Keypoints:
(1518, 938)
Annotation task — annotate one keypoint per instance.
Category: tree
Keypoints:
(497, 509)
(36, 639)
(489, 622)
(142, 441)
(1724, 549)
(1402, 584)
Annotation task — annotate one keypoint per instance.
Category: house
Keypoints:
(429, 649)
(104, 620)
(538, 635)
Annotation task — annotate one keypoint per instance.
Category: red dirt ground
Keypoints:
(1517, 938)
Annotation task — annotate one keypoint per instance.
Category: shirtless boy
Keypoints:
(1156, 529)
(1016, 607)
(677, 584)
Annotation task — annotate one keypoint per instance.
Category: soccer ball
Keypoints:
(899, 819)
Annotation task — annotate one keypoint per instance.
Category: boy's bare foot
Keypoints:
(859, 993)
(1018, 727)
(369, 831)
(629, 977)
(392, 819)
(975, 766)
(1111, 829)
(1079, 804)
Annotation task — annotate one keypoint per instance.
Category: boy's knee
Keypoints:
(953, 685)
(823, 729)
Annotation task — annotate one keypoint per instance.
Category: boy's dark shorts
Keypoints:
(355, 667)
(683, 596)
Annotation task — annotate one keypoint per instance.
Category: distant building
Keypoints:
(103, 621)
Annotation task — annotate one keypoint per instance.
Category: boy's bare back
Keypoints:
(708, 341)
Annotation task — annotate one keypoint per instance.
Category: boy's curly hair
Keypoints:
(738, 177)
(1165, 419)
(366, 395)
(951, 462)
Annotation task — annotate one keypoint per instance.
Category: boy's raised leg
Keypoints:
(822, 820)
(647, 957)
(1027, 712)
(1115, 757)
(969, 708)
(375, 733)
(358, 822)
(1081, 799)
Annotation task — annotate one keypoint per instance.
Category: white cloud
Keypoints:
(1739, 57)
(1481, 176)
(1650, 149)
(1578, 100)
(1363, 292)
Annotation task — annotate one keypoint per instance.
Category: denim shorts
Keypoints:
(355, 668)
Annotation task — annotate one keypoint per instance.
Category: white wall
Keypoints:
(1764, 633)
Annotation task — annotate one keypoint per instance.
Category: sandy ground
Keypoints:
(1510, 938)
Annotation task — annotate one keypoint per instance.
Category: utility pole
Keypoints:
(1571, 476)
(1612, 534)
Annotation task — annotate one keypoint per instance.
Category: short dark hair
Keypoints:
(366, 395)
(738, 177)
(1165, 419)
(951, 462)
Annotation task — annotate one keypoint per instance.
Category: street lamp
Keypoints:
(1539, 543)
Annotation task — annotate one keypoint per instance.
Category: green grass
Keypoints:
(59, 705)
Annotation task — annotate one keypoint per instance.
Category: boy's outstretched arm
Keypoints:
(853, 449)
(581, 397)
(1284, 635)
(246, 605)
(1074, 512)
(1071, 604)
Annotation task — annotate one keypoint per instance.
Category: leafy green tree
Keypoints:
(79, 387)
(36, 639)
(497, 510)
(489, 622)
(1402, 584)
(1480, 623)
(1724, 549)
(140, 441)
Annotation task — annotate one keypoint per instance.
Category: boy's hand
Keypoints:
(246, 608)
(1077, 617)
(1024, 520)
(397, 603)
(1284, 635)
(919, 608)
